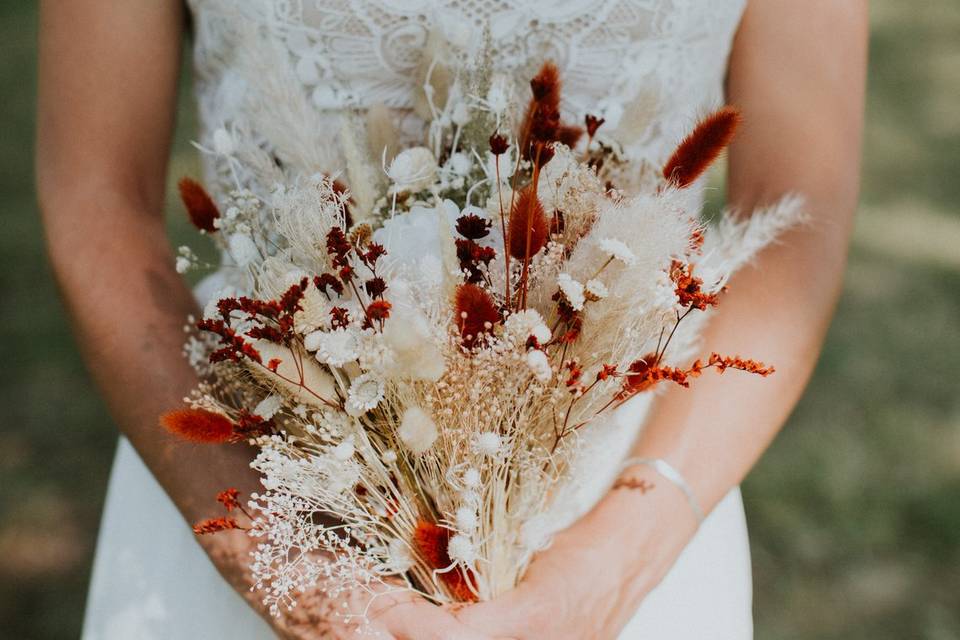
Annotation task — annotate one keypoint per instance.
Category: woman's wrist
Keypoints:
(647, 521)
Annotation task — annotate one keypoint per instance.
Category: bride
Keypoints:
(634, 565)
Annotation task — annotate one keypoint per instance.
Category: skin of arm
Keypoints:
(797, 72)
(107, 93)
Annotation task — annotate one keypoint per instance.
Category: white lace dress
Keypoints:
(650, 67)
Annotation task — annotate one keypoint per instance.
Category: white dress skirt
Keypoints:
(649, 67)
(151, 580)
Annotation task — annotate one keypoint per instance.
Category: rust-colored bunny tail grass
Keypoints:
(527, 218)
(475, 311)
(199, 205)
(541, 122)
(699, 149)
(198, 425)
(431, 541)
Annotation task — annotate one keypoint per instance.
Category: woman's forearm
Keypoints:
(128, 306)
(801, 133)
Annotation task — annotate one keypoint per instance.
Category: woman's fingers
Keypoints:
(507, 618)
(419, 620)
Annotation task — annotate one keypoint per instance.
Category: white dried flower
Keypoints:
(498, 95)
(595, 290)
(223, 142)
(471, 477)
(268, 407)
(460, 164)
(461, 549)
(335, 348)
(413, 170)
(399, 556)
(345, 450)
(572, 291)
(466, 519)
(618, 250)
(243, 250)
(417, 430)
(313, 313)
(488, 443)
(182, 264)
(366, 392)
(539, 364)
(461, 114)
(664, 292)
(523, 324)
(389, 456)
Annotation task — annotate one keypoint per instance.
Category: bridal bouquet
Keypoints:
(418, 358)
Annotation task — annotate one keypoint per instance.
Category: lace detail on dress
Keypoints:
(650, 67)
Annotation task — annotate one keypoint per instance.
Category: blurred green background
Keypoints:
(855, 511)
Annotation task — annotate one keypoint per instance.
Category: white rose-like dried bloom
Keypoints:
(461, 549)
(488, 443)
(413, 170)
(595, 290)
(540, 365)
(572, 290)
(268, 407)
(618, 250)
(417, 430)
(335, 348)
(366, 392)
(466, 519)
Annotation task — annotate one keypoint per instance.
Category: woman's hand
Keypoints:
(590, 581)
(388, 615)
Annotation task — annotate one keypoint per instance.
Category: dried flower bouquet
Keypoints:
(419, 358)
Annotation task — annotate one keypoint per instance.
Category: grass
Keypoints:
(854, 512)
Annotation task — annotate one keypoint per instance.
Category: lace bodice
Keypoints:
(649, 67)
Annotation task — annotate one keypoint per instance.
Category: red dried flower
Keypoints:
(373, 253)
(593, 123)
(722, 363)
(199, 205)
(498, 144)
(229, 499)
(527, 219)
(377, 311)
(475, 312)
(699, 149)
(431, 541)
(473, 227)
(216, 525)
(607, 371)
(338, 246)
(198, 425)
(328, 280)
(375, 287)
(339, 317)
(689, 288)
